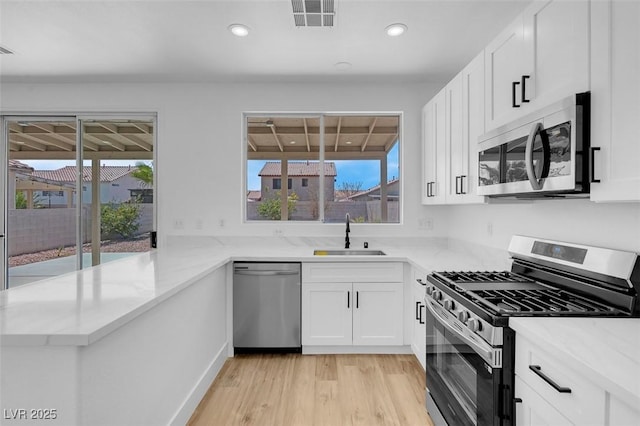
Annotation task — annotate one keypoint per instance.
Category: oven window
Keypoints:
(458, 375)
(489, 166)
(560, 150)
(459, 380)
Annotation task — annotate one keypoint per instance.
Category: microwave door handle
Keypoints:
(536, 183)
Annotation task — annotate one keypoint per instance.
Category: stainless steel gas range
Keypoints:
(470, 347)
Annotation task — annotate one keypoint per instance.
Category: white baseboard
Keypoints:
(192, 400)
(324, 350)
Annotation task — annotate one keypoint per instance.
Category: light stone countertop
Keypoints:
(604, 350)
(81, 307)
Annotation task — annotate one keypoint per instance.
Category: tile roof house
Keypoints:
(303, 179)
(115, 183)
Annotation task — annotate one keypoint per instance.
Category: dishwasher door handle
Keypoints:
(264, 273)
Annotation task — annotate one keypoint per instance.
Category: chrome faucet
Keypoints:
(346, 239)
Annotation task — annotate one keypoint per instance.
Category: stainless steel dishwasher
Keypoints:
(266, 307)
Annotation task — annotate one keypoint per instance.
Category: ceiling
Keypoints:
(345, 137)
(171, 40)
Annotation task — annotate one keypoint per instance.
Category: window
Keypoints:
(358, 172)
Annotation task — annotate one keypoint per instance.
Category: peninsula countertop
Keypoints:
(81, 307)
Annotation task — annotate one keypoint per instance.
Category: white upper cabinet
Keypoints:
(543, 56)
(453, 120)
(615, 100)
(472, 129)
(434, 150)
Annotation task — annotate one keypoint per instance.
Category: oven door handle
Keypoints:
(537, 182)
(488, 353)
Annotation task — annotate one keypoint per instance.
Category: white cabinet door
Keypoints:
(535, 410)
(556, 37)
(434, 147)
(615, 100)
(542, 57)
(419, 342)
(504, 58)
(377, 314)
(454, 149)
(326, 314)
(472, 128)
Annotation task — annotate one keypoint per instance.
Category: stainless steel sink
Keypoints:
(348, 252)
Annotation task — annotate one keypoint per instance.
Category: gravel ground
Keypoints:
(140, 244)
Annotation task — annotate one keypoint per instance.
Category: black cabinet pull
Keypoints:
(457, 185)
(417, 311)
(419, 280)
(357, 299)
(462, 184)
(514, 90)
(517, 400)
(420, 320)
(348, 300)
(538, 370)
(593, 164)
(524, 88)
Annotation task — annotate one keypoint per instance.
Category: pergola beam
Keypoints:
(373, 126)
(338, 134)
(252, 144)
(306, 134)
(275, 136)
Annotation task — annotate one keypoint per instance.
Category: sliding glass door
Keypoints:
(66, 208)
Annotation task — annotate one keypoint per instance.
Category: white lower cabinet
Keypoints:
(535, 410)
(348, 312)
(552, 391)
(419, 332)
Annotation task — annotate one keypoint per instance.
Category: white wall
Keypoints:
(199, 132)
(579, 221)
(200, 148)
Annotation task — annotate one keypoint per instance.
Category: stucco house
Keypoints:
(303, 178)
(116, 184)
(393, 191)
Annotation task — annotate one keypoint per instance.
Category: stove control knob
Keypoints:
(430, 290)
(474, 324)
(448, 304)
(437, 295)
(463, 316)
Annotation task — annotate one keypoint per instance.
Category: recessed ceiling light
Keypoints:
(343, 66)
(19, 142)
(239, 30)
(395, 30)
(292, 142)
(348, 142)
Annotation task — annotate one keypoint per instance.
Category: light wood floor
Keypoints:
(299, 390)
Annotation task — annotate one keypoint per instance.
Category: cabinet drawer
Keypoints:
(584, 404)
(352, 272)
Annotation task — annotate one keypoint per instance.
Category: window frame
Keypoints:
(245, 116)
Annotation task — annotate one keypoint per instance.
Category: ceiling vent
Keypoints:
(5, 51)
(313, 13)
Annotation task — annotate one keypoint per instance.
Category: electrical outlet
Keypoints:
(429, 224)
(198, 223)
(278, 232)
(221, 223)
(178, 224)
(490, 228)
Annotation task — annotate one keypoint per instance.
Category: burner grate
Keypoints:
(547, 301)
(483, 277)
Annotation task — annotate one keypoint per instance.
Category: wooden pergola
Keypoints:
(101, 140)
(346, 137)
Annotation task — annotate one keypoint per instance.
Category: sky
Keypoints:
(366, 172)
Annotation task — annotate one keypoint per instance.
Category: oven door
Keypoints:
(463, 388)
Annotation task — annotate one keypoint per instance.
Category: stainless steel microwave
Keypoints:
(544, 154)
